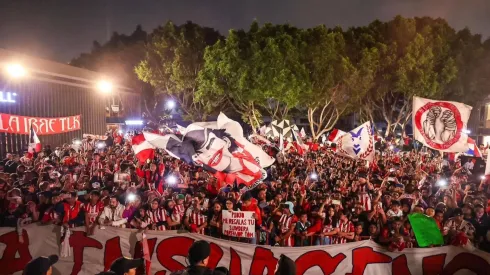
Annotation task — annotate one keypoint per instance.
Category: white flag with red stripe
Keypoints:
(143, 149)
(34, 142)
(335, 135)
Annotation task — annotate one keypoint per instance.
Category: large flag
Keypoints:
(34, 142)
(143, 149)
(219, 147)
(473, 149)
(358, 143)
(335, 135)
(439, 124)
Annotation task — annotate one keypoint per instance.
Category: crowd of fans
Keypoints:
(318, 198)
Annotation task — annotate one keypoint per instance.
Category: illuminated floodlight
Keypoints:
(105, 86)
(392, 147)
(134, 122)
(120, 132)
(131, 197)
(100, 145)
(16, 70)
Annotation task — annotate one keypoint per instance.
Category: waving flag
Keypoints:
(473, 148)
(439, 124)
(358, 143)
(302, 133)
(218, 147)
(143, 150)
(34, 142)
(335, 135)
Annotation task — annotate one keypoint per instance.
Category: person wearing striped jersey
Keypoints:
(287, 224)
(158, 218)
(345, 229)
(179, 208)
(195, 217)
(362, 189)
(93, 209)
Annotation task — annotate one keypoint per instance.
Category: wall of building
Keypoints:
(47, 99)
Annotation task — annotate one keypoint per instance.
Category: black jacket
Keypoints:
(198, 270)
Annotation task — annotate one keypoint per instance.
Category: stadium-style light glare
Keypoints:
(134, 122)
(170, 104)
(131, 197)
(100, 145)
(314, 176)
(482, 177)
(171, 180)
(120, 132)
(392, 147)
(105, 86)
(16, 70)
(466, 131)
(442, 182)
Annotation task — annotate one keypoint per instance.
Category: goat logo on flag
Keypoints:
(439, 124)
(358, 143)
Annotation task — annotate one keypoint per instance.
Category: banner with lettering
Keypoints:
(168, 249)
(15, 124)
(239, 224)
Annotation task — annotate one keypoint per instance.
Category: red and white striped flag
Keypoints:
(143, 150)
(34, 142)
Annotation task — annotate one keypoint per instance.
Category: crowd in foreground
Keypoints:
(317, 198)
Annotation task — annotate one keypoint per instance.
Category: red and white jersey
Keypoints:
(93, 211)
(157, 216)
(345, 228)
(364, 197)
(94, 169)
(286, 223)
(197, 219)
(180, 210)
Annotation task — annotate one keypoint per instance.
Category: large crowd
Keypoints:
(317, 198)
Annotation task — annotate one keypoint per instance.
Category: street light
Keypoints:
(104, 86)
(16, 70)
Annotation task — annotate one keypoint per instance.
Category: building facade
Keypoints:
(67, 97)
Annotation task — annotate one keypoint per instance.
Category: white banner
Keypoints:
(92, 254)
(440, 124)
(239, 224)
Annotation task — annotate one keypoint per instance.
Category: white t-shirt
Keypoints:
(392, 214)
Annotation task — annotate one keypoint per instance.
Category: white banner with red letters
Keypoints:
(92, 254)
(239, 224)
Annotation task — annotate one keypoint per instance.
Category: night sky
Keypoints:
(61, 30)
